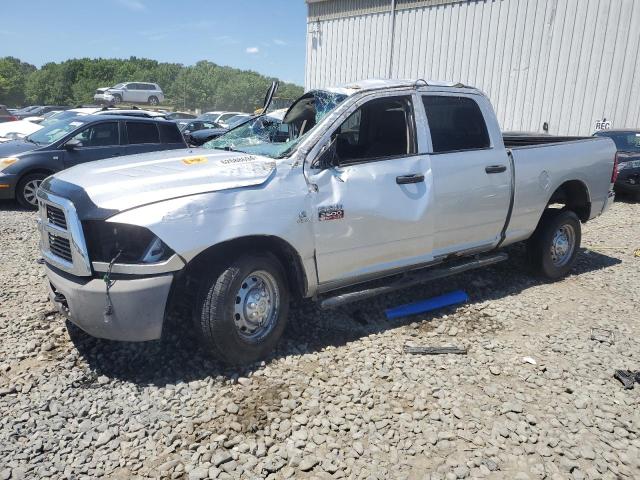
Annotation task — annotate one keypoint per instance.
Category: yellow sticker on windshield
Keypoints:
(194, 160)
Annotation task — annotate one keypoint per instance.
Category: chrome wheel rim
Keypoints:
(562, 245)
(257, 304)
(29, 191)
(153, 101)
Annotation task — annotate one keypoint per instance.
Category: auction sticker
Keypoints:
(194, 160)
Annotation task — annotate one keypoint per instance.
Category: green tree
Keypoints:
(13, 78)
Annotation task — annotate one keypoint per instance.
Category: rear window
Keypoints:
(456, 123)
(139, 132)
(170, 134)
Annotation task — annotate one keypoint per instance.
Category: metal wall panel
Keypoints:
(567, 63)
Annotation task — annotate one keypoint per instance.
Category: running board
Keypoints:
(412, 279)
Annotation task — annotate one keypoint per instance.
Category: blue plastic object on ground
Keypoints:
(434, 303)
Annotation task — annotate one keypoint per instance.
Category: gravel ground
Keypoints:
(339, 399)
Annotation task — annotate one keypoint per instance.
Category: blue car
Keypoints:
(26, 162)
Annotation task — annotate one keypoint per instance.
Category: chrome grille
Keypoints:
(61, 247)
(56, 216)
(62, 240)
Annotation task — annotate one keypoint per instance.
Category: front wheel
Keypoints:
(241, 310)
(27, 188)
(117, 99)
(554, 245)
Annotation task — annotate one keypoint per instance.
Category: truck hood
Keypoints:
(106, 187)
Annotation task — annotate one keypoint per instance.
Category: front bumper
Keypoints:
(7, 186)
(103, 98)
(138, 304)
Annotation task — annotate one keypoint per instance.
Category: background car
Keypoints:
(230, 122)
(179, 116)
(6, 115)
(628, 146)
(131, 92)
(39, 111)
(26, 162)
(219, 117)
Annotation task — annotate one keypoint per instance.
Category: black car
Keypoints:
(202, 136)
(39, 111)
(179, 116)
(628, 145)
(24, 163)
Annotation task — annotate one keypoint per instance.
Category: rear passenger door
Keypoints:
(97, 141)
(471, 177)
(141, 137)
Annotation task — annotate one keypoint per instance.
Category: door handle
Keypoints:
(414, 178)
(495, 168)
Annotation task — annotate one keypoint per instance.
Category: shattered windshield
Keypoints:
(268, 135)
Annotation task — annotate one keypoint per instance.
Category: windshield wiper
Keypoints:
(27, 139)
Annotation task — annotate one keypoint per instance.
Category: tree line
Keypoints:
(204, 85)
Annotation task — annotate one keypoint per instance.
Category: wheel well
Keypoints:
(43, 171)
(282, 250)
(574, 195)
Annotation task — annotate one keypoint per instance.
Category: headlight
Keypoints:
(7, 162)
(137, 245)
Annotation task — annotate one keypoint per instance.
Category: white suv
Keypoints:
(130, 92)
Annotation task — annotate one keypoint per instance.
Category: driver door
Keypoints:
(97, 141)
(373, 208)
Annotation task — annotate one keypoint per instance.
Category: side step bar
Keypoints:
(412, 279)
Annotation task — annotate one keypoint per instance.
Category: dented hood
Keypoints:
(127, 182)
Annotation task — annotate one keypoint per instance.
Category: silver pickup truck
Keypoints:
(397, 181)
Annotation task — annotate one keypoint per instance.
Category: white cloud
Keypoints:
(253, 50)
(279, 42)
(134, 5)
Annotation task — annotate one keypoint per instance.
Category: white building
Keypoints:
(560, 64)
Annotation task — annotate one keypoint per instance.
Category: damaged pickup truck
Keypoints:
(397, 181)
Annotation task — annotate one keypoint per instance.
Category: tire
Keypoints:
(117, 99)
(223, 309)
(553, 247)
(26, 190)
(153, 100)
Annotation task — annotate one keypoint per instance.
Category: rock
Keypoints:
(220, 457)
(273, 464)
(308, 462)
(495, 370)
(105, 437)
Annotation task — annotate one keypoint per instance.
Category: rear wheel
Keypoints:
(241, 310)
(27, 188)
(554, 245)
(153, 100)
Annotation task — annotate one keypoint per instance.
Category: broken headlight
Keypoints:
(134, 244)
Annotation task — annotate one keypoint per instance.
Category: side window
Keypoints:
(100, 135)
(456, 123)
(381, 128)
(139, 132)
(169, 134)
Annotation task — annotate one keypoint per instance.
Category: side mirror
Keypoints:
(73, 144)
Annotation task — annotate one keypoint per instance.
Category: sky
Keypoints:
(267, 36)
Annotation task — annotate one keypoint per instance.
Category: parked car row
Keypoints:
(63, 143)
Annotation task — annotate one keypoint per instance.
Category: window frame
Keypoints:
(125, 124)
(413, 133)
(423, 94)
(92, 125)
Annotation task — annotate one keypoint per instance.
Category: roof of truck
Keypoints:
(379, 84)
